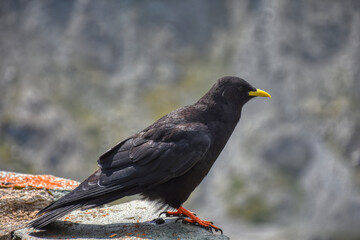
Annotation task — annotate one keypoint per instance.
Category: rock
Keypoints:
(132, 220)
(23, 195)
(22, 180)
(19, 206)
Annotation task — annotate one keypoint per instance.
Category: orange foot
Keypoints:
(192, 219)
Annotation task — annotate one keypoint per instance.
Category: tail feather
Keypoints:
(59, 209)
(53, 215)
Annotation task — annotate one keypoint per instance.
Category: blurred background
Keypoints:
(76, 77)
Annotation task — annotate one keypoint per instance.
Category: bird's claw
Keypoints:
(163, 213)
(209, 227)
(219, 230)
(158, 221)
(180, 218)
(188, 217)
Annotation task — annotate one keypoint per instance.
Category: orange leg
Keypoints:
(192, 219)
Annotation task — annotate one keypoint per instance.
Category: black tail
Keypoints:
(51, 216)
(59, 209)
(87, 195)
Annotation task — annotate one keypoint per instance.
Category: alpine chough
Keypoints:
(166, 161)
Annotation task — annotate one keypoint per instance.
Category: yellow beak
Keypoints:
(259, 93)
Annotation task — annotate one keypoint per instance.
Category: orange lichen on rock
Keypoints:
(16, 180)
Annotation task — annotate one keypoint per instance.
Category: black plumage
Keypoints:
(166, 161)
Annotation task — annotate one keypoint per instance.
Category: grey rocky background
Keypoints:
(76, 77)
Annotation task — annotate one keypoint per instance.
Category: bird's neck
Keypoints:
(220, 110)
(221, 121)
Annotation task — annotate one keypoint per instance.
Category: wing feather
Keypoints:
(179, 148)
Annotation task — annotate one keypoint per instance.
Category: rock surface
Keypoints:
(23, 195)
(19, 206)
(132, 220)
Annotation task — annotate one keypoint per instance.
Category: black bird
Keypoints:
(166, 161)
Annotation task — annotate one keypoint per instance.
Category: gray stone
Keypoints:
(132, 220)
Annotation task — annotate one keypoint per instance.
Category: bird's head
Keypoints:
(236, 90)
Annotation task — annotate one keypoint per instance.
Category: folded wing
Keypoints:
(149, 158)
